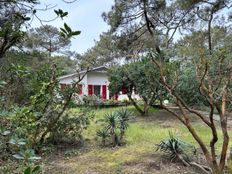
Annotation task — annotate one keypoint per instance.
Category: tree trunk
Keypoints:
(135, 105)
(146, 109)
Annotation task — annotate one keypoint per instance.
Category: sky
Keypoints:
(84, 15)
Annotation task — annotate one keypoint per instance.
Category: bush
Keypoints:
(125, 102)
(111, 102)
(92, 100)
(71, 125)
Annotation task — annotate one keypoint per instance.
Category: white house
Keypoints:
(95, 82)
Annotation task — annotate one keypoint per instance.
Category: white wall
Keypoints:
(95, 78)
(98, 78)
(92, 78)
(122, 97)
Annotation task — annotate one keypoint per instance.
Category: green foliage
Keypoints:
(16, 14)
(27, 155)
(44, 117)
(61, 13)
(140, 76)
(46, 38)
(24, 74)
(71, 125)
(186, 89)
(66, 32)
(177, 149)
(17, 141)
(105, 51)
(124, 115)
(103, 134)
(111, 102)
(92, 100)
(115, 124)
(32, 170)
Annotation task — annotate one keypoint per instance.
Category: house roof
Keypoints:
(99, 68)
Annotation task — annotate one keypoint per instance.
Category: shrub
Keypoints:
(111, 102)
(125, 102)
(71, 125)
(92, 100)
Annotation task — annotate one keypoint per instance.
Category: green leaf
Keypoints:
(36, 170)
(57, 12)
(64, 14)
(28, 170)
(26, 18)
(75, 33)
(63, 34)
(63, 30)
(67, 28)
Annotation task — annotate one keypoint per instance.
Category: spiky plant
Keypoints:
(111, 120)
(177, 149)
(103, 134)
(124, 115)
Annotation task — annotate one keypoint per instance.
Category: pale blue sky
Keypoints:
(84, 15)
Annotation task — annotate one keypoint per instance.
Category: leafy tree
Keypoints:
(47, 38)
(12, 18)
(140, 77)
(18, 14)
(104, 51)
(25, 73)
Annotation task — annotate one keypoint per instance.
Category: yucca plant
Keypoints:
(115, 124)
(177, 149)
(124, 115)
(111, 120)
(103, 134)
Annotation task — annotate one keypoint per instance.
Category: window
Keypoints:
(97, 90)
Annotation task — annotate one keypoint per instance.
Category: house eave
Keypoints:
(81, 72)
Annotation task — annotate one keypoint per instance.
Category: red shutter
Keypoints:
(123, 90)
(104, 92)
(79, 89)
(90, 89)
